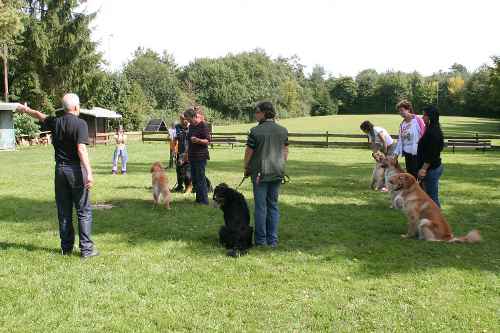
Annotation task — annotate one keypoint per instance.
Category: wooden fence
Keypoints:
(332, 140)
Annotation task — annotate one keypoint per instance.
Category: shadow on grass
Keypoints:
(356, 226)
(26, 247)
(366, 234)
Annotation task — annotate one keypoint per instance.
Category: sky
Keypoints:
(343, 36)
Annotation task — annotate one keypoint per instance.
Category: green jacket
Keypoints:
(268, 140)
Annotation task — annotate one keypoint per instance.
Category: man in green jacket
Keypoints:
(265, 156)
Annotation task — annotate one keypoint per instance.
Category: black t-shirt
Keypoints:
(198, 152)
(67, 132)
(429, 149)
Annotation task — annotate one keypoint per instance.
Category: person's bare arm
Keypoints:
(33, 113)
(285, 152)
(246, 161)
(84, 159)
(200, 141)
(383, 141)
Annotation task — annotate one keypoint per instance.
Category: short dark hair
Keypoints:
(366, 126)
(190, 113)
(267, 108)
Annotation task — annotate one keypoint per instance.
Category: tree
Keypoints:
(157, 76)
(478, 93)
(58, 54)
(10, 27)
(458, 69)
(322, 103)
(366, 101)
(136, 108)
(392, 87)
(345, 91)
(494, 83)
(234, 83)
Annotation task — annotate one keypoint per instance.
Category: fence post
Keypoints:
(477, 137)
(327, 143)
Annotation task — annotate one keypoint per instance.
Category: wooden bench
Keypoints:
(469, 143)
(223, 139)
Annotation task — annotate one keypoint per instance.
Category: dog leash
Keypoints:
(242, 180)
(284, 180)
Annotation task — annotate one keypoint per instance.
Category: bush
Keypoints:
(25, 125)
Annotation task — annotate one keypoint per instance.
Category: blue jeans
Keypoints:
(431, 183)
(120, 152)
(199, 180)
(70, 190)
(267, 215)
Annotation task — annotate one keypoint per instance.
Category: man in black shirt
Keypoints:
(73, 174)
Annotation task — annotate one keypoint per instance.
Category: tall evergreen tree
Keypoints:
(58, 54)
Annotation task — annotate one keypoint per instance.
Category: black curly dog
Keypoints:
(236, 233)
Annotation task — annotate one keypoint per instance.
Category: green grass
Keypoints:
(340, 265)
(349, 124)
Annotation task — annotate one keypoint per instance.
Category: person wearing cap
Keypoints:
(120, 151)
(264, 161)
(73, 173)
(429, 150)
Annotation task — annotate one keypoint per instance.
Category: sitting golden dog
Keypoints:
(392, 168)
(378, 178)
(424, 216)
(160, 185)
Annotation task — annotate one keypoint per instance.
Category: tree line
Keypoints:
(49, 51)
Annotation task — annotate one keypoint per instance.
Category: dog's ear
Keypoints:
(407, 180)
(222, 186)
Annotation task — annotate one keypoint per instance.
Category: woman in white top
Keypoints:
(120, 150)
(379, 138)
(410, 132)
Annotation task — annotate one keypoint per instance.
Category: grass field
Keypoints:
(340, 265)
(349, 124)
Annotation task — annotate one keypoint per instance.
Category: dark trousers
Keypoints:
(183, 175)
(411, 164)
(199, 180)
(70, 190)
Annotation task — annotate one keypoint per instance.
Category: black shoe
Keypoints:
(178, 189)
(67, 252)
(94, 253)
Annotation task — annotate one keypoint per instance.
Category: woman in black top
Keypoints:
(429, 154)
